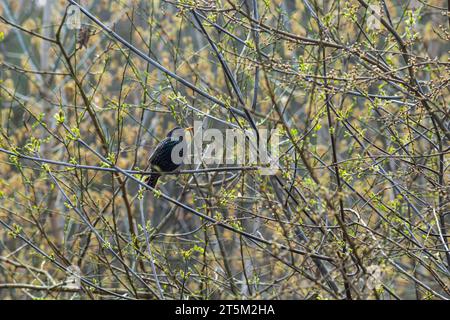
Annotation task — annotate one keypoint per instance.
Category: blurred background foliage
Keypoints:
(358, 89)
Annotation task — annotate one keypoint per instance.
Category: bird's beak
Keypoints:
(191, 129)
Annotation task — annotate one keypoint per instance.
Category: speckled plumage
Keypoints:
(161, 158)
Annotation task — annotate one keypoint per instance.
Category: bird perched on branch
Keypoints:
(162, 159)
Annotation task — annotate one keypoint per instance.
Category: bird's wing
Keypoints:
(151, 160)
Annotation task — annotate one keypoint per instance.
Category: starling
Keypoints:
(161, 159)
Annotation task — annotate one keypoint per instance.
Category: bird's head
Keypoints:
(177, 133)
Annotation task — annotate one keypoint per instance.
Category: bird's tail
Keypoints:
(152, 179)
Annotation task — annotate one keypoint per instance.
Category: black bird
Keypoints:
(161, 159)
